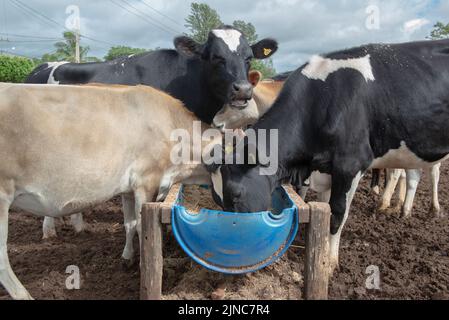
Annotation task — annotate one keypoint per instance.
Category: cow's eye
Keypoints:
(219, 60)
(248, 60)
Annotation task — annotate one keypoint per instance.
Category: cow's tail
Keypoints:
(375, 181)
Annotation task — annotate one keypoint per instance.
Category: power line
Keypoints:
(142, 17)
(151, 18)
(23, 9)
(161, 13)
(30, 37)
(25, 41)
(43, 17)
(40, 14)
(34, 13)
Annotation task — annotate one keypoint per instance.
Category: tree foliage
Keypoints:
(122, 51)
(66, 51)
(266, 67)
(14, 69)
(440, 31)
(248, 30)
(201, 20)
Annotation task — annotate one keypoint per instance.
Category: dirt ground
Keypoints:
(412, 255)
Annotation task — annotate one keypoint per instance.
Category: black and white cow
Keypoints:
(204, 77)
(376, 106)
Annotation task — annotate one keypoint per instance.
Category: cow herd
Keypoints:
(107, 130)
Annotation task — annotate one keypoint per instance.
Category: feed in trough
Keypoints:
(197, 198)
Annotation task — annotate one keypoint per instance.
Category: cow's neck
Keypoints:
(196, 92)
(296, 150)
(192, 171)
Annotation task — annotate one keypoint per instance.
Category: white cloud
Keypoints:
(302, 27)
(414, 25)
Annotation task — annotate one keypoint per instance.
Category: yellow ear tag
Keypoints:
(267, 52)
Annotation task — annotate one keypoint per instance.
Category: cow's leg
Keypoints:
(402, 190)
(324, 196)
(7, 277)
(413, 178)
(375, 181)
(343, 191)
(128, 206)
(303, 192)
(76, 220)
(435, 178)
(49, 228)
(393, 179)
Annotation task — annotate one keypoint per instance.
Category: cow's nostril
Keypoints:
(236, 87)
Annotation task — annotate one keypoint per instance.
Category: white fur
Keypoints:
(392, 182)
(335, 239)
(320, 68)
(402, 158)
(167, 183)
(54, 66)
(320, 182)
(217, 182)
(49, 228)
(413, 179)
(230, 36)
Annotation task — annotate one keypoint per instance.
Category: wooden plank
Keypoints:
(151, 259)
(169, 202)
(304, 209)
(317, 269)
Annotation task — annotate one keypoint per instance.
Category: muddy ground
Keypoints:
(412, 255)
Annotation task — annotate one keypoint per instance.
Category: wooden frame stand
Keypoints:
(316, 216)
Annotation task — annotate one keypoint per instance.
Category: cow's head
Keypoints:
(239, 188)
(242, 188)
(233, 118)
(227, 57)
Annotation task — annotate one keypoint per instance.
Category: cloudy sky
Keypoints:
(302, 27)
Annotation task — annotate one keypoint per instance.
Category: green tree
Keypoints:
(440, 31)
(201, 20)
(248, 30)
(65, 51)
(266, 67)
(14, 69)
(122, 51)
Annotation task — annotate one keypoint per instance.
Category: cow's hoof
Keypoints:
(49, 235)
(406, 215)
(437, 213)
(334, 267)
(383, 208)
(23, 295)
(129, 264)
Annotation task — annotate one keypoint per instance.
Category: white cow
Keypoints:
(66, 148)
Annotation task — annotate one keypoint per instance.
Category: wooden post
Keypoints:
(151, 258)
(317, 269)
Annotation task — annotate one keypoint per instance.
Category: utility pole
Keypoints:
(77, 46)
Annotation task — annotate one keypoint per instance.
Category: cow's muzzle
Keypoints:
(241, 93)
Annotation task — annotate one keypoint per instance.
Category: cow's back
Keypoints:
(84, 122)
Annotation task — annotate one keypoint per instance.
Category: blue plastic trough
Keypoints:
(236, 243)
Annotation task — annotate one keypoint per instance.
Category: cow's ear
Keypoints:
(264, 48)
(254, 77)
(187, 46)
